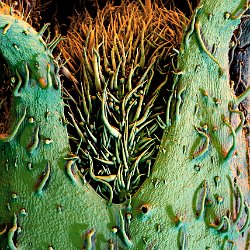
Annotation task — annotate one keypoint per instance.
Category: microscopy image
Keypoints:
(124, 124)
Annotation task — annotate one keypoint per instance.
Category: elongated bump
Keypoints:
(112, 130)
(105, 59)
(85, 108)
(124, 157)
(69, 171)
(44, 181)
(178, 72)
(27, 75)
(168, 120)
(16, 46)
(234, 146)
(146, 71)
(126, 133)
(68, 74)
(87, 63)
(47, 114)
(160, 122)
(137, 179)
(142, 60)
(16, 92)
(115, 76)
(247, 223)
(212, 159)
(117, 186)
(89, 239)
(241, 97)
(198, 32)
(183, 238)
(129, 217)
(92, 147)
(58, 82)
(135, 166)
(228, 226)
(77, 128)
(131, 73)
(34, 146)
(190, 32)
(107, 178)
(11, 233)
(125, 237)
(49, 79)
(206, 146)
(221, 224)
(92, 175)
(118, 179)
(178, 103)
(217, 180)
(121, 179)
(241, 208)
(243, 7)
(145, 144)
(72, 157)
(146, 114)
(96, 71)
(7, 138)
(6, 28)
(203, 201)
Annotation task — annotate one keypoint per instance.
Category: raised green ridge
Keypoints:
(40, 203)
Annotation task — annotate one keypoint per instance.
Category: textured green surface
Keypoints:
(58, 213)
(44, 201)
(180, 185)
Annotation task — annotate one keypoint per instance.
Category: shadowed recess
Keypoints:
(116, 111)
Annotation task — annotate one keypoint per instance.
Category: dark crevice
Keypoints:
(142, 145)
(239, 56)
(7, 86)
